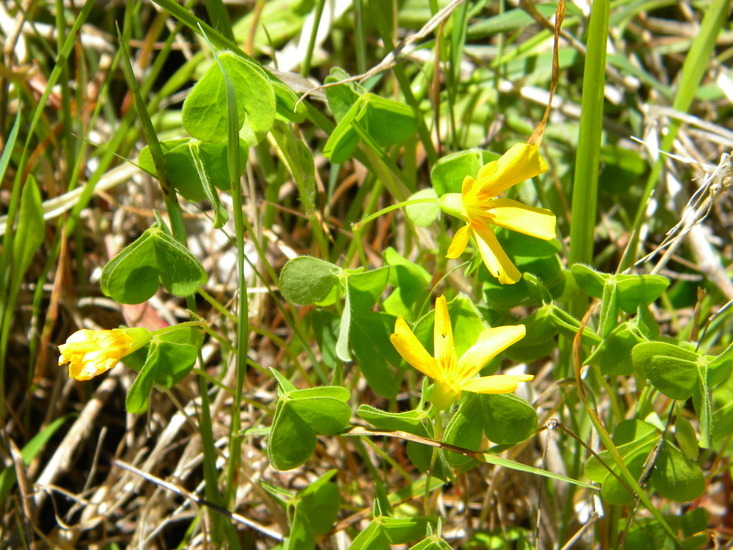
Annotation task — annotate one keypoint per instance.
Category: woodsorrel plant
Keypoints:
(404, 348)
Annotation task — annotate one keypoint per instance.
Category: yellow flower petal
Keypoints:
(93, 352)
(493, 255)
(469, 188)
(412, 351)
(519, 163)
(444, 348)
(490, 343)
(459, 243)
(535, 222)
(498, 383)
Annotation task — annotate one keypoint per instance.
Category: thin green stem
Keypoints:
(359, 36)
(173, 328)
(306, 67)
(361, 223)
(585, 180)
(437, 436)
(233, 145)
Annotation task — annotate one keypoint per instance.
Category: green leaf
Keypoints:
(395, 260)
(342, 344)
(338, 393)
(220, 213)
(371, 538)
(205, 108)
(675, 476)
(635, 440)
(589, 280)
(286, 103)
(300, 163)
(569, 326)
(423, 214)
(412, 285)
(448, 173)
(671, 369)
(325, 415)
(385, 530)
(404, 530)
(703, 406)
(528, 349)
(685, 436)
(318, 504)
(616, 493)
(181, 348)
(547, 270)
(613, 355)
(720, 367)
(284, 385)
(138, 395)
(362, 291)
(723, 420)
(463, 430)
(155, 257)
(292, 441)
(300, 416)
(633, 431)
(648, 534)
(305, 280)
(538, 292)
(374, 352)
(433, 543)
(386, 121)
(182, 170)
(344, 139)
(170, 357)
(422, 457)
(694, 521)
(539, 339)
(632, 437)
(366, 287)
(507, 419)
(413, 422)
(325, 330)
(341, 98)
(524, 248)
(633, 290)
(608, 316)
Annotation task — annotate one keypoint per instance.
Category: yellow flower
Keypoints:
(479, 206)
(453, 375)
(93, 352)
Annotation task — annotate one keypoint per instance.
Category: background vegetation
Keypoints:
(640, 118)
